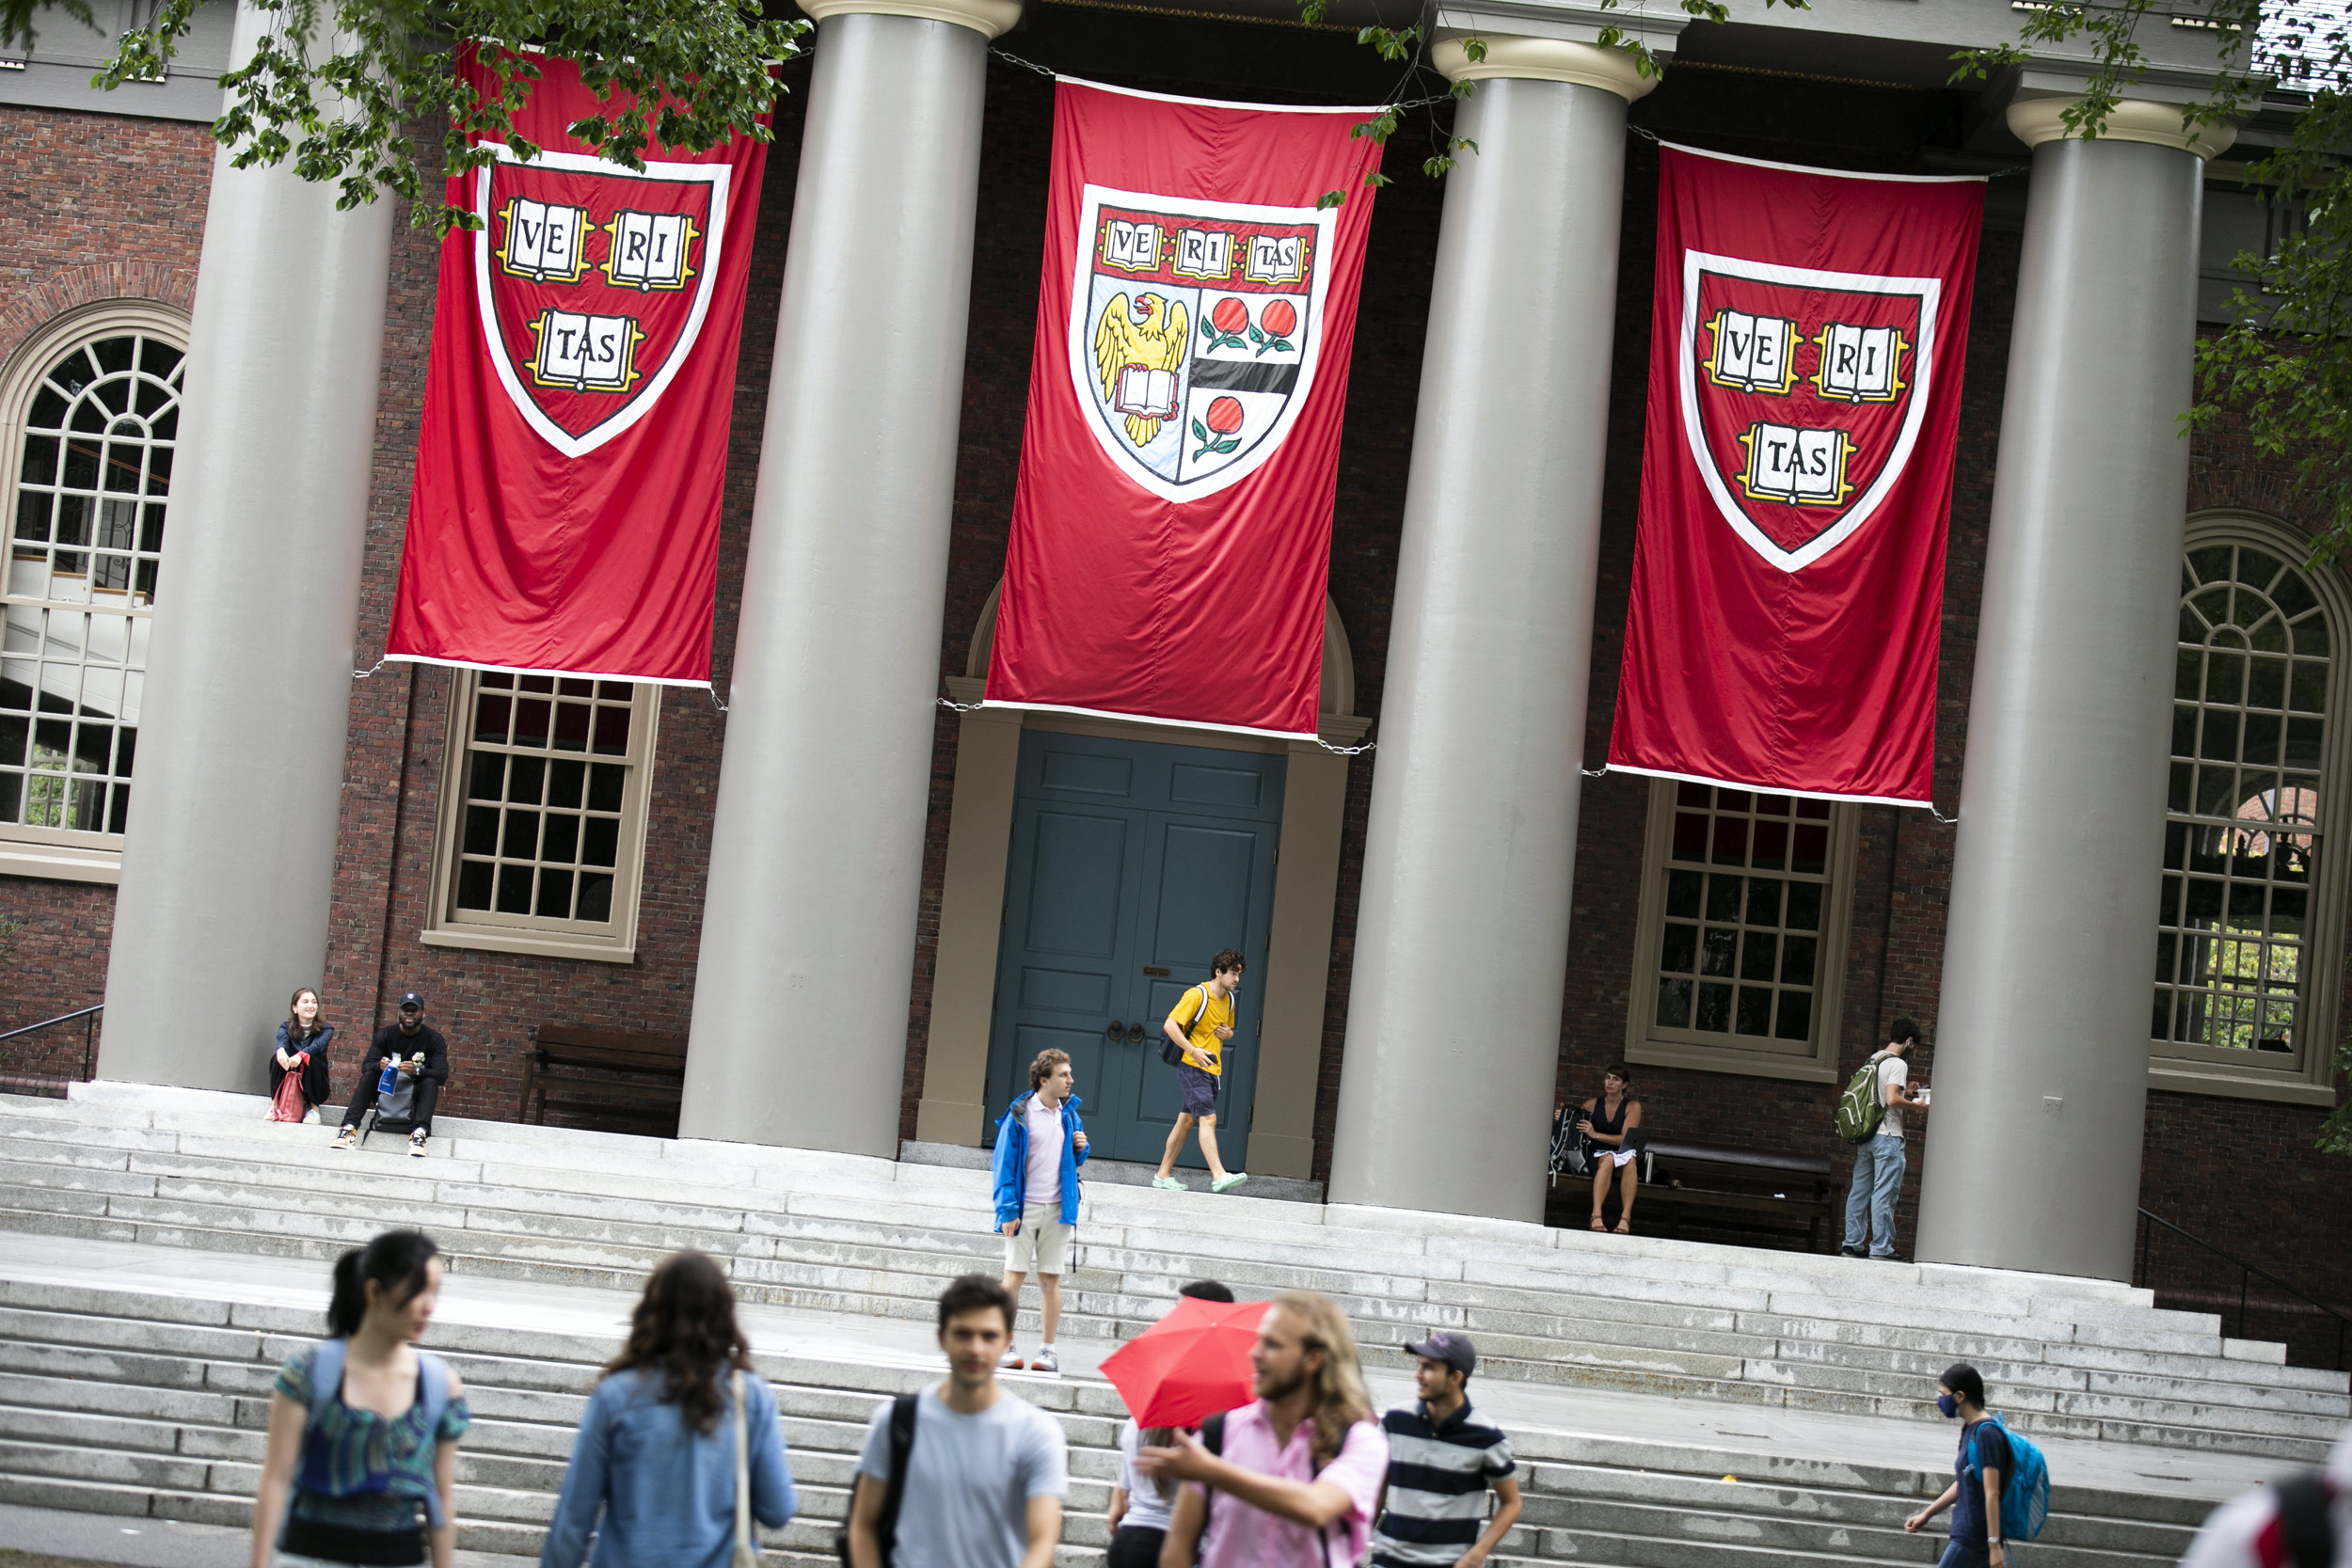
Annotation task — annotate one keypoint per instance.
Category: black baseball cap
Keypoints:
(410, 999)
(1452, 1349)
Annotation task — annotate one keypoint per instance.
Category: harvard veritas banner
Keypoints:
(1171, 528)
(565, 511)
(1807, 339)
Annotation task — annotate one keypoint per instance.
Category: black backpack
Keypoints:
(2310, 1535)
(894, 1490)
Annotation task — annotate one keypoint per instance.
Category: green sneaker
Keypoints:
(1167, 1185)
(1227, 1183)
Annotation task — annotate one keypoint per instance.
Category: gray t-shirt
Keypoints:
(1892, 1071)
(969, 1479)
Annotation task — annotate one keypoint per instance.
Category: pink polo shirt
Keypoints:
(1241, 1536)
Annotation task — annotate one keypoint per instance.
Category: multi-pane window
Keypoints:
(1741, 937)
(2243, 828)
(545, 818)
(85, 539)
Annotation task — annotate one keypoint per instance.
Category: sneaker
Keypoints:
(1167, 1185)
(347, 1138)
(416, 1145)
(1851, 1252)
(1047, 1361)
(1013, 1362)
(1227, 1183)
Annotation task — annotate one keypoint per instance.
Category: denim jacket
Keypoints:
(666, 1492)
(1013, 1160)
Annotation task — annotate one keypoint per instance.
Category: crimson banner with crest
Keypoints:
(1171, 524)
(564, 517)
(1808, 332)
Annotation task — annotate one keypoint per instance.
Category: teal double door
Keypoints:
(1132, 862)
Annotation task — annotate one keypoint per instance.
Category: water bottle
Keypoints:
(391, 1080)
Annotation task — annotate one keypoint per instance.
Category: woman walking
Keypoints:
(680, 1450)
(301, 1053)
(1978, 1472)
(363, 1427)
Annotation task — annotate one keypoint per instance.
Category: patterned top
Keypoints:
(383, 1468)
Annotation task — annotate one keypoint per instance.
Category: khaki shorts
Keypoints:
(1041, 1246)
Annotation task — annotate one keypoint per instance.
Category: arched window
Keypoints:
(92, 422)
(2246, 930)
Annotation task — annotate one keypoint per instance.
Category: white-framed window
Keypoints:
(90, 415)
(544, 793)
(1740, 949)
(2249, 919)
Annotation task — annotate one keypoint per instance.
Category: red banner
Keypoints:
(1171, 527)
(566, 513)
(1807, 339)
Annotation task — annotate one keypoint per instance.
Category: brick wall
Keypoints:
(92, 207)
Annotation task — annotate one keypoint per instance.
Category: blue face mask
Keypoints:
(1947, 1404)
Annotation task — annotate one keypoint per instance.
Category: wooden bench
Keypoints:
(626, 1079)
(1742, 1189)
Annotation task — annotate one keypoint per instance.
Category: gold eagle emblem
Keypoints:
(1157, 341)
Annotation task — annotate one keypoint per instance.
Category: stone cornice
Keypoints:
(2035, 121)
(1544, 60)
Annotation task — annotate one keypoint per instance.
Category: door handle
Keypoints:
(1135, 1034)
(1115, 1032)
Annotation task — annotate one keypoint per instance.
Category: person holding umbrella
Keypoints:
(1290, 1480)
(1140, 1506)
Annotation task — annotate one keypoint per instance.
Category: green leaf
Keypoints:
(1230, 445)
(1200, 429)
(1330, 199)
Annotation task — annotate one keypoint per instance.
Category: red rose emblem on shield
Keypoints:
(1803, 393)
(594, 283)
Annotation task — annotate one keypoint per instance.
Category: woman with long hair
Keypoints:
(1293, 1479)
(363, 1426)
(679, 1448)
(301, 1051)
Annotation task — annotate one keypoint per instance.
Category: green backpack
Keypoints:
(1861, 1108)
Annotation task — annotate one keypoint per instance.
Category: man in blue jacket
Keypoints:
(1039, 1146)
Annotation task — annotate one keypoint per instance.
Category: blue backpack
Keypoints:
(327, 1386)
(2025, 1490)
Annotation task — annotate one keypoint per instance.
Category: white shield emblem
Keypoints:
(1803, 395)
(1195, 331)
(594, 283)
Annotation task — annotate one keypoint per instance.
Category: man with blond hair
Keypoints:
(1292, 1479)
(1039, 1146)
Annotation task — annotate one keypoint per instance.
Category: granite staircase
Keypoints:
(2067, 1358)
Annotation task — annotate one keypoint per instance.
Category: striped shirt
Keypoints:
(1438, 1475)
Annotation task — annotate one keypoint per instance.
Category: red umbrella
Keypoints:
(1190, 1365)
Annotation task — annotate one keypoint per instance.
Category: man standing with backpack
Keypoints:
(963, 1475)
(1871, 1118)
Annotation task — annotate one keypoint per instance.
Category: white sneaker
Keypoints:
(1013, 1362)
(347, 1138)
(416, 1145)
(1047, 1361)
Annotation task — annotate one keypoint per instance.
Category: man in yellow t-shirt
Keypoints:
(1200, 1024)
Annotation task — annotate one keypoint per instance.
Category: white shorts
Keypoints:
(1041, 1246)
(1613, 1156)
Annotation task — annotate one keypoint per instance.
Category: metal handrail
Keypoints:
(2247, 1273)
(89, 1032)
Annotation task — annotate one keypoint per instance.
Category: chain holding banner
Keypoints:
(564, 517)
(1808, 332)
(1171, 524)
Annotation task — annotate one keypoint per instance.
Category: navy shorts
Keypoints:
(1199, 1090)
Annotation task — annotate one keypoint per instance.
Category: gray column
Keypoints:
(1461, 942)
(2040, 1065)
(230, 856)
(816, 850)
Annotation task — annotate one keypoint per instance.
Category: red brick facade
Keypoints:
(2240, 1172)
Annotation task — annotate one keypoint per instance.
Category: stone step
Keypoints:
(876, 1237)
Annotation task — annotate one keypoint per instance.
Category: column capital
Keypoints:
(1544, 60)
(988, 18)
(2036, 121)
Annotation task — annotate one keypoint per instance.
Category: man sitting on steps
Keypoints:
(423, 1054)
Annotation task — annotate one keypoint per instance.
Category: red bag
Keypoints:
(286, 1105)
